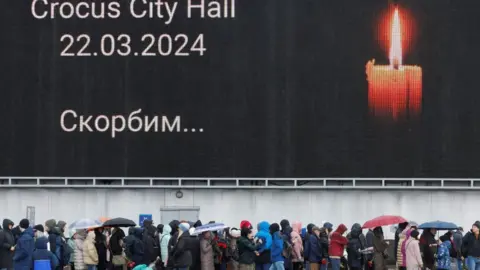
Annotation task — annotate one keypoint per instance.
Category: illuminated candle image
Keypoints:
(395, 90)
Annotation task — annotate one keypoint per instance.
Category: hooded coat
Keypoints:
(206, 254)
(149, 242)
(296, 241)
(136, 247)
(277, 243)
(194, 247)
(426, 240)
(90, 255)
(7, 241)
(42, 253)
(164, 239)
(338, 242)
(78, 251)
(22, 258)
(180, 256)
(355, 258)
(264, 248)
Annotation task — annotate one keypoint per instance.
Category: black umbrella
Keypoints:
(119, 222)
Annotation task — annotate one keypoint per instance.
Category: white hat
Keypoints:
(235, 233)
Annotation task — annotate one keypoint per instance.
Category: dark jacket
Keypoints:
(355, 258)
(306, 238)
(55, 240)
(368, 244)
(149, 243)
(101, 247)
(42, 253)
(128, 242)
(22, 259)
(180, 254)
(115, 239)
(194, 248)
(7, 240)
(426, 240)
(471, 245)
(457, 242)
(313, 249)
(136, 247)
(246, 251)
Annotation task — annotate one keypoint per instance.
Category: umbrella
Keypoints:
(209, 228)
(383, 221)
(85, 223)
(104, 219)
(439, 225)
(119, 222)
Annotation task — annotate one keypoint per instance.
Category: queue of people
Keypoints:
(276, 246)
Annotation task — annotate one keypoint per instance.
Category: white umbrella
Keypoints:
(85, 223)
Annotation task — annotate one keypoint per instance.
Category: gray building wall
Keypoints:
(232, 206)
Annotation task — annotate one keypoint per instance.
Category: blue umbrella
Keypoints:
(209, 228)
(439, 225)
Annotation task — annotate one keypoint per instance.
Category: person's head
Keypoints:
(50, 225)
(414, 234)
(476, 227)
(207, 235)
(328, 227)
(245, 224)
(433, 231)
(183, 227)
(160, 228)
(274, 227)
(7, 224)
(234, 233)
(61, 224)
(316, 231)
(24, 224)
(460, 229)
(403, 225)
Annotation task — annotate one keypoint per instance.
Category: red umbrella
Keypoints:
(383, 221)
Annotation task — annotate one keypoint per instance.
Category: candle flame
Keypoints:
(396, 42)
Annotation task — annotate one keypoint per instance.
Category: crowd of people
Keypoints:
(276, 246)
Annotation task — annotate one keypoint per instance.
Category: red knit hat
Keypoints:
(245, 224)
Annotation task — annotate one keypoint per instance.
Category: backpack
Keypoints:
(66, 251)
(287, 251)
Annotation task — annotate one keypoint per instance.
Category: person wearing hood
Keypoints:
(136, 247)
(101, 247)
(329, 227)
(164, 239)
(246, 224)
(174, 233)
(276, 248)
(78, 251)
(116, 243)
(61, 225)
(90, 255)
(22, 258)
(379, 248)
(180, 257)
(443, 253)
(314, 249)
(7, 245)
(297, 245)
(247, 249)
(471, 246)
(413, 257)
(206, 251)
(286, 233)
(457, 241)
(158, 233)
(41, 253)
(128, 243)
(150, 247)
(355, 244)
(263, 261)
(398, 233)
(306, 247)
(427, 242)
(338, 242)
(54, 239)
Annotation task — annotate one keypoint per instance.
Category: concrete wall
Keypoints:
(231, 206)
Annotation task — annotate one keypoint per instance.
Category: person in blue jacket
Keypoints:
(443, 253)
(264, 238)
(41, 253)
(22, 258)
(277, 248)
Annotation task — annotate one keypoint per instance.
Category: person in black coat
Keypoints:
(194, 248)
(180, 257)
(355, 257)
(135, 247)
(116, 241)
(7, 243)
(101, 247)
(150, 247)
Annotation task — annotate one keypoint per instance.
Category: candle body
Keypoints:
(394, 93)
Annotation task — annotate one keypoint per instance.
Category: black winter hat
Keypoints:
(414, 234)
(274, 227)
(160, 228)
(24, 223)
(477, 224)
(284, 224)
(39, 227)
